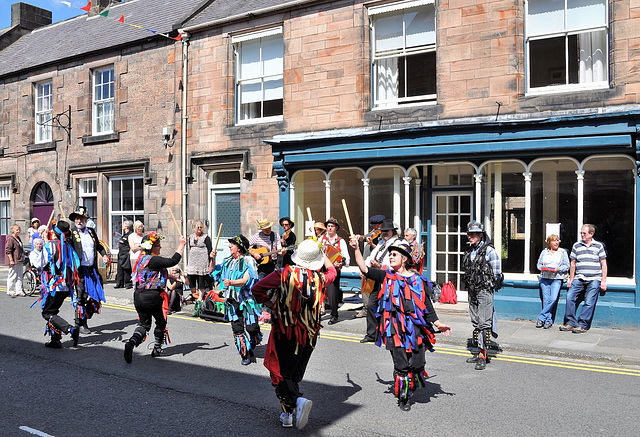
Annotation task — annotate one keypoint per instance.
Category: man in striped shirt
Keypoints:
(587, 276)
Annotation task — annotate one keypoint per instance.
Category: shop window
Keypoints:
(609, 204)
(566, 44)
(44, 112)
(403, 46)
(453, 175)
(504, 207)
(309, 193)
(259, 75)
(554, 199)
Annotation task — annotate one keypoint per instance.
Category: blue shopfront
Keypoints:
(522, 178)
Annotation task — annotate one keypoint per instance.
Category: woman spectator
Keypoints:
(553, 264)
(15, 254)
(175, 285)
(135, 241)
(33, 230)
(406, 316)
(199, 264)
(417, 252)
(123, 277)
(37, 257)
(149, 294)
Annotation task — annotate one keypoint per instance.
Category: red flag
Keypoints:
(88, 7)
(179, 37)
(121, 19)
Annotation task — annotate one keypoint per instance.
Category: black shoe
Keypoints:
(539, 323)
(473, 359)
(54, 344)
(246, 361)
(481, 364)
(367, 340)
(128, 286)
(252, 357)
(333, 321)
(157, 351)
(75, 335)
(119, 286)
(128, 351)
(404, 404)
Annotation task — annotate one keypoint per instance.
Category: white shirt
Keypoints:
(37, 259)
(382, 246)
(88, 248)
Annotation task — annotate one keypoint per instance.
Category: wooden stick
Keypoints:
(174, 221)
(309, 214)
(62, 212)
(51, 217)
(346, 212)
(218, 237)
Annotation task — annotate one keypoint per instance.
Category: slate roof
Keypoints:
(83, 35)
(221, 9)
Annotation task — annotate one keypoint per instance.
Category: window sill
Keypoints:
(561, 89)
(41, 147)
(100, 139)
(404, 105)
(260, 120)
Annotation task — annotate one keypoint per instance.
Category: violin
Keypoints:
(373, 235)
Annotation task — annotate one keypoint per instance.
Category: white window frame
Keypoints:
(566, 32)
(103, 101)
(259, 78)
(88, 189)
(43, 112)
(398, 53)
(129, 212)
(5, 201)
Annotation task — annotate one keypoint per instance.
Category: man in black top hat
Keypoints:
(287, 241)
(89, 291)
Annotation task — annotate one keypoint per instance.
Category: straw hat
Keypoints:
(320, 225)
(263, 224)
(308, 255)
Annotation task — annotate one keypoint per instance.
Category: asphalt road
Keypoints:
(200, 388)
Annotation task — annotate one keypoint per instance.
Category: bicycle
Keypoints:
(31, 281)
(108, 270)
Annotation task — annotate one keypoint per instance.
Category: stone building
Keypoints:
(521, 115)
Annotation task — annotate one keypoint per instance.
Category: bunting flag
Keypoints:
(105, 14)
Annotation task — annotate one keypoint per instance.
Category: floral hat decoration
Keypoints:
(150, 240)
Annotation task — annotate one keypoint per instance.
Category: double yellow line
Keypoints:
(614, 370)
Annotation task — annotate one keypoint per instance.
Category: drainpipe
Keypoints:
(183, 138)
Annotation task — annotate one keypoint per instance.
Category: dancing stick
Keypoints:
(309, 214)
(62, 212)
(51, 217)
(218, 237)
(174, 220)
(346, 212)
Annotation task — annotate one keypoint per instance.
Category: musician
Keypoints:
(332, 240)
(378, 258)
(287, 241)
(319, 229)
(370, 242)
(268, 239)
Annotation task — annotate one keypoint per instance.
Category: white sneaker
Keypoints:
(303, 407)
(287, 420)
(11, 294)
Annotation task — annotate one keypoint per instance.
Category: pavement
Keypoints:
(599, 344)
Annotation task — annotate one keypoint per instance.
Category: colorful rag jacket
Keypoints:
(234, 269)
(146, 279)
(298, 305)
(60, 271)
(402, 312)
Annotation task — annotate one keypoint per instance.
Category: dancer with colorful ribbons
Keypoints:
(89, 291)
(149, 296)
(296, 308)
(59, 275)
(236, 275)
(405, 318)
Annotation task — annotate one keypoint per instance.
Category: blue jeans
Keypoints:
(581, 291)
(550, 292)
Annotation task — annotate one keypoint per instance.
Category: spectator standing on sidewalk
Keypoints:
(15, 255)
(123, 277)
(587, 276)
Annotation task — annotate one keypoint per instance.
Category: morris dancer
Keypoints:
(299, 293)
(149, 295)
(89, 290)
(58, 277)
(236, 275)
(405, 315)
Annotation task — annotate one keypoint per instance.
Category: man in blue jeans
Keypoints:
(587, 275)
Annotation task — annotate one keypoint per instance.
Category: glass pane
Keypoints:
(250, 91)
(453, 204)
(441, 223)
(453, 262)
(589, 13)
(116, 195)
(465, 204)
(273, 89)
(421, 74)
(388, 32)
(547, 66)
(441, 204)
(227, 210)
(250, 59)
(453, 223)
(272, 54)
(441, 243)
(127, 195)
(420, 25)
(441, 261)
(453, 243)
(312, 197)
(545, 16)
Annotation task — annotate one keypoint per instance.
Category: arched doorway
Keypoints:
(42, 200)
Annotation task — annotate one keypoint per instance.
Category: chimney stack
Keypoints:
(29, 17)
